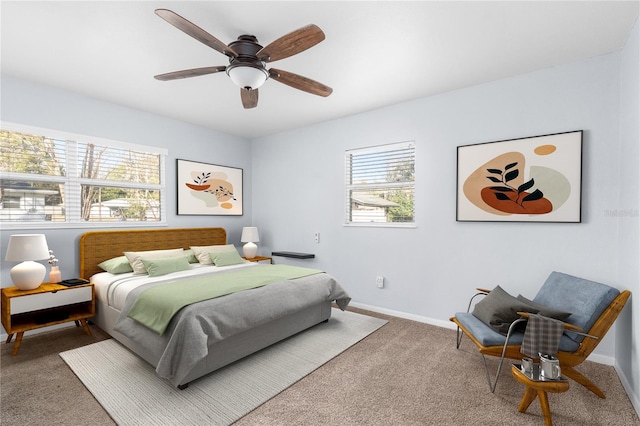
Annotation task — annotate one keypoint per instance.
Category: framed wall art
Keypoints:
(533, 179)
(208, 189)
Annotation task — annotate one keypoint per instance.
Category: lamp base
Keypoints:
(28, 275)
(250, 250)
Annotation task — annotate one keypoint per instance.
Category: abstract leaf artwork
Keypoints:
(208, 189)
(535, 179)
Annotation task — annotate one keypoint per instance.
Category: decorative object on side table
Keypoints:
(27, 248)
(537, 386)
(54, 275)
(250, 237)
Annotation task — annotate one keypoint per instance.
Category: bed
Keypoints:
(206, 335)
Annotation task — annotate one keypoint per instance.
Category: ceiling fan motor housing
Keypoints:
(247, 47)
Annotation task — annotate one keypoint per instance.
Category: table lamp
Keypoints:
(250, 236)
(26, 248)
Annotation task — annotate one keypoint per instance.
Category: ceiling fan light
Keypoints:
(247, 76)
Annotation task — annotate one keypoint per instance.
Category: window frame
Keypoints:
(73, 183)
(377, 186)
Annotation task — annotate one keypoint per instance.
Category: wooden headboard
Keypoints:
(98, 246)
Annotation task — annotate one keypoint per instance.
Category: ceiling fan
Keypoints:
(247, 59)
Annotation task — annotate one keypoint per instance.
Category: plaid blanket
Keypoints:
(542, 335)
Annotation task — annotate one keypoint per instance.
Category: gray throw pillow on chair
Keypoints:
(499, 309)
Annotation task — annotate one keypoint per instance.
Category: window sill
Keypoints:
(86, 225)
(379, 225)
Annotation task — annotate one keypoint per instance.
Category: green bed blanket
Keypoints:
(156, 306)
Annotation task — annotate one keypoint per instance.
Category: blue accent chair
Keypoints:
(594, 307)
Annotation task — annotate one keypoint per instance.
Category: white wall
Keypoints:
(628, 220)
(37, 105)
(431, 270)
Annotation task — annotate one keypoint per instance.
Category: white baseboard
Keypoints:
(413, 317)
(418, 318)
(633, 397)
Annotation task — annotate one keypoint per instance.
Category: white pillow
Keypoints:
(135, 257)
(202, 252)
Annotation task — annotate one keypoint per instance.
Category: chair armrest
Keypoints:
(566, 324)
(570, 327)
(481, 292)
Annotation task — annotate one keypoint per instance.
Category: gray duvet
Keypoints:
(196, 327)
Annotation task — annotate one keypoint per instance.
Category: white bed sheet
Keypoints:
(112, 289)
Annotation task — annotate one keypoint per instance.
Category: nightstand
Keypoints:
(49, 304)
(260, 259)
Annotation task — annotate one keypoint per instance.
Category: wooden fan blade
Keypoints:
(194, 72)
(195, 31)
(249, 98)
(291, 44)
(299, 82)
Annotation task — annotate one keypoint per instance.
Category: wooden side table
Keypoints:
(538, 388)
(259, 259)
(49, 304)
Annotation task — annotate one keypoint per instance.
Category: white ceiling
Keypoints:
(376, 53)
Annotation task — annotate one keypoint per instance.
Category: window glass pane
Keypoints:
(381, 184)
(119, 165)
(26, 153)
(384, 205)
(112, 204)
(24, 201)
(379, 166)
(52, 176)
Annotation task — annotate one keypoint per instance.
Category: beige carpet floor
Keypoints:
(406, 373)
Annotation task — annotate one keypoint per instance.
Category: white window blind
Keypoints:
(52, 178)
(380, 184)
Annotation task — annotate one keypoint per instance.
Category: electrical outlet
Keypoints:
(380, 281)
(317, 237)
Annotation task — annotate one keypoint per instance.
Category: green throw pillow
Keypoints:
(163, 266)
(191, 256)
(203, 253)
(226, 258)
(135, 257)
(117, 265)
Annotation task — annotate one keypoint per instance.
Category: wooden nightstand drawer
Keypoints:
(47, 305)
(34, 302)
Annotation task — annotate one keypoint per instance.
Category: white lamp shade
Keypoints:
(250, 236)
(28, 247)
(246, 76)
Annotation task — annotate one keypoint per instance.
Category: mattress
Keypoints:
(112, 289)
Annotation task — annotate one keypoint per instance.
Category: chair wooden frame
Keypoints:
(568, 360)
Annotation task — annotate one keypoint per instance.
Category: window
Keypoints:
(380, 184)
(52, 178)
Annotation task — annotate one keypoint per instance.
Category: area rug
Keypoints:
(128, 388)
